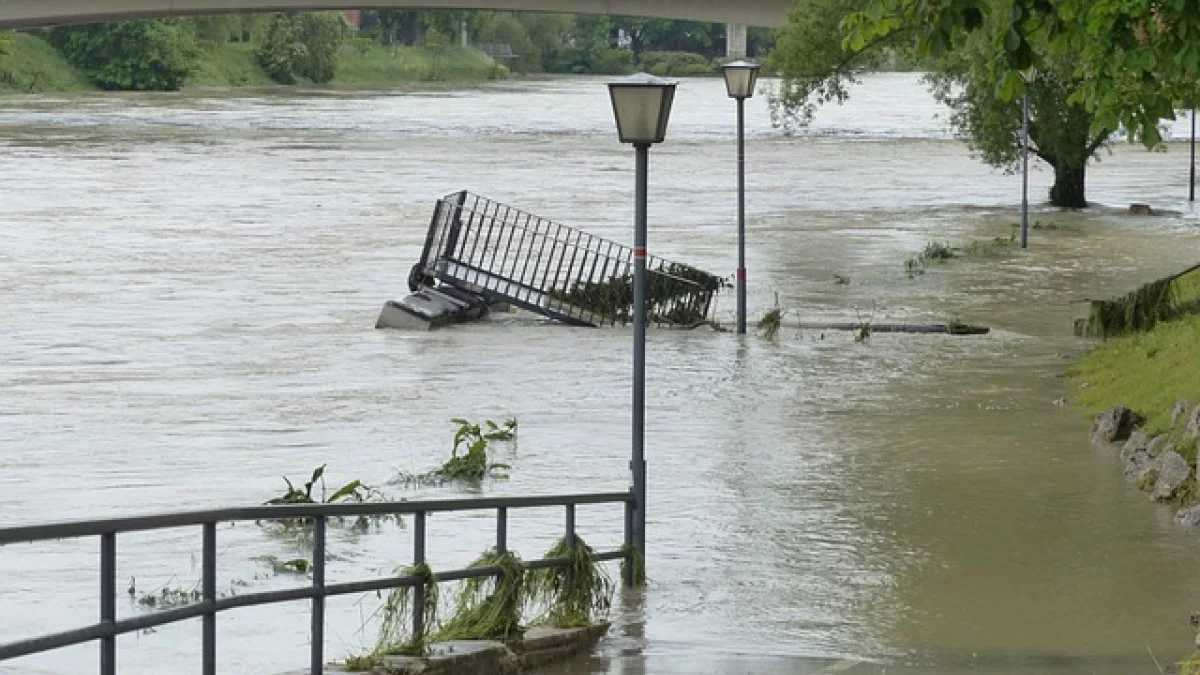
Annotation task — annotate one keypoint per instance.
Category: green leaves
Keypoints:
(154, 55)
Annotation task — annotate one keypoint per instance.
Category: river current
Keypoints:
(190, 282)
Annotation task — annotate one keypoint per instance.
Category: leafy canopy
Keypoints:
(1136, 60)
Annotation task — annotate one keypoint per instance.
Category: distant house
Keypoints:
(354, 17)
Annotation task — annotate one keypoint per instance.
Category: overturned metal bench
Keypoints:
(480, 253)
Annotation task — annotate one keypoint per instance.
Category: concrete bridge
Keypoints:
(31, 13)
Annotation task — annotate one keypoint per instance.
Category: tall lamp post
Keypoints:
(740, 78)
(642, 106)
(1192, 173)
(1028, 76)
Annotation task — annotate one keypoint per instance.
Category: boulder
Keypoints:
(1180, 411)
(1139, 465)
(1173, 472)
(1138, 442)
(1193, 423)
(1189, 516)
(1115, 425)
(1140, 210)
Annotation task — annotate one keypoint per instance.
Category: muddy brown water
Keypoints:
(189, 286)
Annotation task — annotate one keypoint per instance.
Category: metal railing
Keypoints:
(566, 274)
(108, 628)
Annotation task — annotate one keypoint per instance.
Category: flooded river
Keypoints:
(189, 285)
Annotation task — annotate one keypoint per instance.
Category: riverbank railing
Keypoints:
(509, 255)
(109, 627)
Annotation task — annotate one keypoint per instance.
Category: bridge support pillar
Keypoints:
(735, 40)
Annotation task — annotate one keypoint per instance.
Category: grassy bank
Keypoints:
(229, 65)
(372, 65)
(1147, 371)
(31, 65)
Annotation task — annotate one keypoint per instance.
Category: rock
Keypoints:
(1115, 425)
(1140, 210)
(1193, 423)
(1180, 411)
(1139, 465)
(1173, 472)
(1138, 442)
(1061, 401)
(1189, 516)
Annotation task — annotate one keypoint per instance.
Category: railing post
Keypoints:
(630, 558)
(208, 583)
(108, 601)
(502, 530)
(418, 617)
(317, 661)
(570, 542)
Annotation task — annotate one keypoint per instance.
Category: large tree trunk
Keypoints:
(1068, 186)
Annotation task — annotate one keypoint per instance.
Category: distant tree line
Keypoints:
(294, 47)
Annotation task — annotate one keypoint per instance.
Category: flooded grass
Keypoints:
(1149, 372)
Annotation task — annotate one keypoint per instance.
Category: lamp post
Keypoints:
(642, 106)
(1192, 175)
(740, 78)
(1028, 76)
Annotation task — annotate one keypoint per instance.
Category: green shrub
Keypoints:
(155, 55)
(676, 63)
(303, 46)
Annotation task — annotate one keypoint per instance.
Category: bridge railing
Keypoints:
(108, 628)
(556, 270)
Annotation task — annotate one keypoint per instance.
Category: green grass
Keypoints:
(363, 65)
(229, 65)
(1148, 371)
(31, 65)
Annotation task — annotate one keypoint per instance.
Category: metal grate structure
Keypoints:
(508, 255)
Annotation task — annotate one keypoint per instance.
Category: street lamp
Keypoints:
(1028, 75)
(740, 78)
(1192, 173)
(642, 106)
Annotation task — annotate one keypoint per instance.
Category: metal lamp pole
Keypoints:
(740, 78)
(1192, 177)
(1029, 76)
(642, 107)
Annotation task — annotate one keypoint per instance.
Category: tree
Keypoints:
(504, 28)
(1059, 130)
(302, 46)
(156, 55)
(1135, 60)
(818, 68)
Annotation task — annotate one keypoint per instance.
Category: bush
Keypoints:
(436, 38)
(303, 46)
(676, 63)
(502, 28)
(612, 62)
(155, 55)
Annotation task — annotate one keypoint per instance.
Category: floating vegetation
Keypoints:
(470, 461)
(579, 594)
(293, 566)
(841, 280)
(489, 608)
(676, 294)
(936, 251)
(1146, 307)
(496, 607)
(638, 560)
(395, 630)
(990, 248)
(300, 529)
(772, 321)
(170, 597)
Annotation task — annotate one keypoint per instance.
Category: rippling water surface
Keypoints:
(189, 285)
